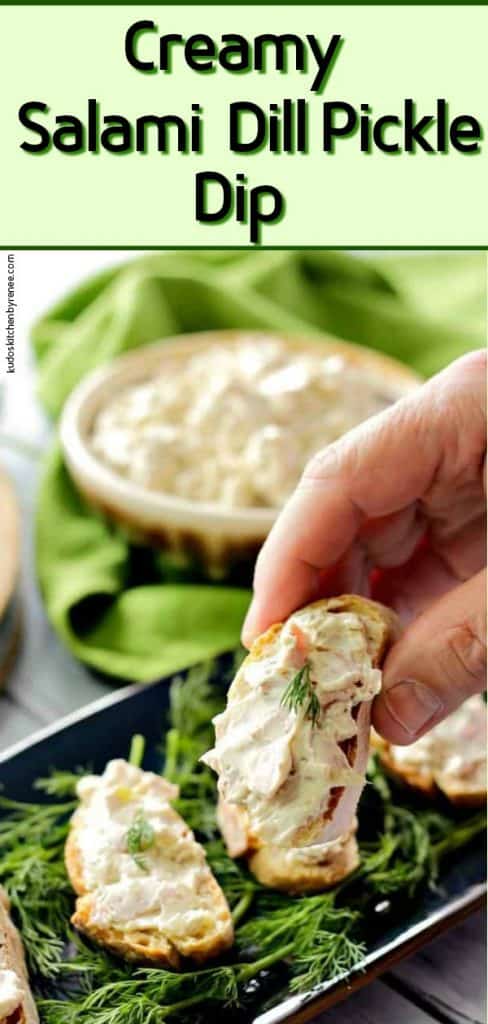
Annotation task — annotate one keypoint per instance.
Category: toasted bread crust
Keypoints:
(273, 868)
(383, 622)
(142, 946)
(382, 627)
(456, 791)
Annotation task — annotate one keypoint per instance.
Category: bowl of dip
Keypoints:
(194, 443)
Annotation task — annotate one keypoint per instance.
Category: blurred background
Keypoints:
(29, 700)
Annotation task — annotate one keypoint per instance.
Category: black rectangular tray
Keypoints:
(103, 730)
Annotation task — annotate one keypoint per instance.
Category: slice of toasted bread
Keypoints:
(369, 628)
(450, 759)
(144, 888)
(306, 869)
(16, 1001)
(288, 871)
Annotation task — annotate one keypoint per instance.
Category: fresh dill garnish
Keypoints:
(140, 838)
(194, 701)
(407, 852)
(32, 838)
(61, 783)
(299, 692)
(31, 824)
(234, 879)
(306, 938)
(136, 752)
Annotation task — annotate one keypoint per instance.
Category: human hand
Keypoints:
(395, 510)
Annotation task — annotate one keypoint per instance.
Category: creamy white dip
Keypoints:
(166, 891)
(275, 761)
(11, 993)
(312, 856)
(15, 994)
(234, 424)
(454, 751)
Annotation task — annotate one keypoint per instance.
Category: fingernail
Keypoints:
(248, 631)
(412, 705)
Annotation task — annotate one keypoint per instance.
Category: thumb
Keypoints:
(438, 662)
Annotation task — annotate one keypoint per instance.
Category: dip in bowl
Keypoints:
(194, 443)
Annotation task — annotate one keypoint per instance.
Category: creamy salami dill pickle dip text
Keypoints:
(234, 424)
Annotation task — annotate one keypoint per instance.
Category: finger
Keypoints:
(412, 588)
(439, 661)
(464, 553)
(377, 471)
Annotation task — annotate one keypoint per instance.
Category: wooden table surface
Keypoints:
(446, 981)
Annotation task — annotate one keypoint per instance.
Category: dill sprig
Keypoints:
(194, 701)
(408, 850)
(61, 783)
(33, 824)
(232, 875)
(137, 750)
(328, 955)
(316, 929)
(92, 966)
(140, 838)
(32, 838)
(300, 692)
(237, 883)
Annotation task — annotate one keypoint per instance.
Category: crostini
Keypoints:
(292, 745)
(294, 870)
(144, 888)
(450, 759)
(16, 1001)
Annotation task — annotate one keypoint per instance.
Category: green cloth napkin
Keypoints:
(126, 611)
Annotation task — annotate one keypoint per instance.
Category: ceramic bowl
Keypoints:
(219, 540)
